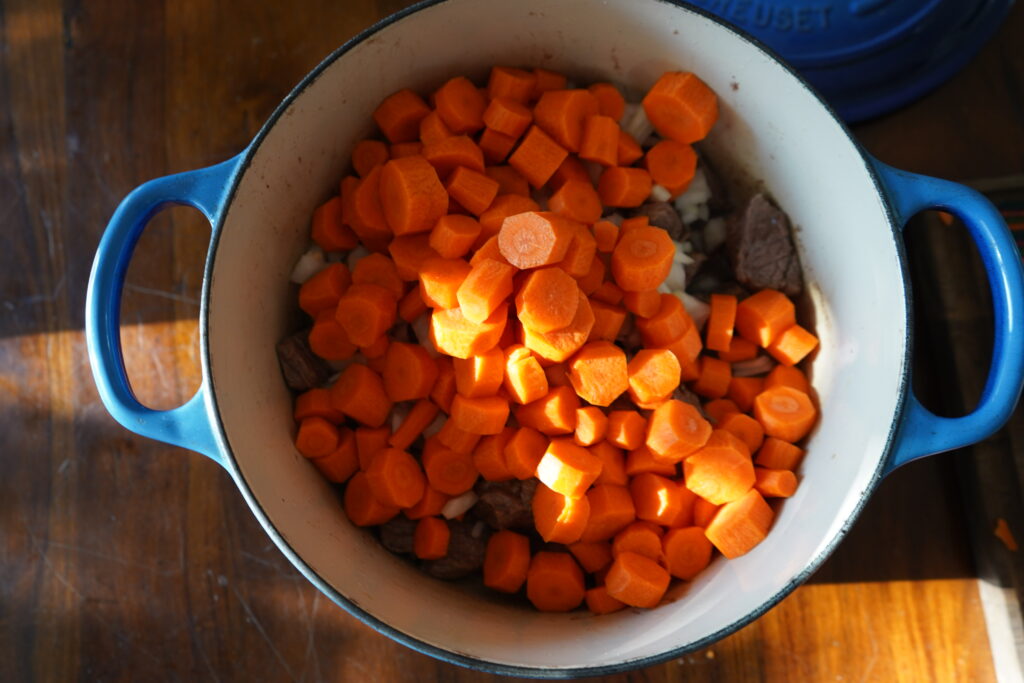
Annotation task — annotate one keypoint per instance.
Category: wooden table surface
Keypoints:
(122, 558)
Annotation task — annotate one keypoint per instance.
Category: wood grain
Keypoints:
(122, 558)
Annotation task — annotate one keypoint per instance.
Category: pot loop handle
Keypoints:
(190, 425)
(921, 432)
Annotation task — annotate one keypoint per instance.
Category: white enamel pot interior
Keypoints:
(772, 128)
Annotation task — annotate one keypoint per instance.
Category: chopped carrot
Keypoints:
(742, 391)
(591, 425)
(567, 468)
(623, 186)
(523, 451)
(557, 374)
(640, 537)
(554, 582)
(489, 456)
(514, 84)
(378, 269)
(599, 602)
(558, 345)
(611, 510)
(367, 154)
(433, 129)
(524, 379)
(410, 252)
(361, 507)
(329, 230)
(535, 238)
(395, 478)
(642, 459)
(589, 283)
(774, 483)
(411, 195)
(316, 402)
(431, 538)
(553, 414)
(1004, 534)
(430, 505)
(719, 408)
(782, 375)
(557, 517)
(672, 165)
(444, 387)
(722, 318)
(626, 429)
(359, 393)
(328, 339)
(369, 441)
(792, 345)
(761, 317)
(598, 372)
(405, 149)
(501, 208)
(613, 464)
(746, 428)
(740, 525)
(485, 289)
(316, 437)
(687, 552)
(608, 321)
(579, 256)
(340, 464)
(562, 113)
(634, 222)
(366, 312)
(452, 334)
(785, 413)
(399, 116)
(506, 561)
(642, 259)
(714, 378)
(721, 471)
(676, 430)
(495, 146)
(485, 415)
(593, 556)
(510, 181)
(606, 234)
(635, 577)
(681, 107)
(653, 375)
(411, 306)
(472, 189)
(643, 303)
(628, 150)
(537, 157)
(460, 105)
(778, 454)
(739, 350)
(456, 438)
(447, 154)
(610, 101)
(704, 512)
(609, 293)
(375, 351)
(507, 116)
(480, 376)
(661, 500)
(448, 471)
(416, 421)
(547, 299)
(576, 200)
(545, 80)
(600, 142)
(368, 220)
(489, 250)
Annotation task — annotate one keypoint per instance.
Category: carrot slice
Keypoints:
(608, 321)
(642, 259)
(774, 483)
(501, 208)
(430, 505)
(506, 561)
(611, 510)
(523, 451)
(489, 456)
(537, 157)
(559, 518)
(456, 438)
(721, 471)
(599, 602)
(740, 525)
(591, 426)
(589, 283)
(453, 235)
(545, 80)
(610, 101)
(409, 372)
(316, 437)
(567, 468)
(454, 335)
(578, 201)
(553, 414)
(368, 442)
(600, 142)
(609, 293)
(361, 507)
(743, 390)
(661, 500)
(447, 154)
(324, 289)
(485, 288)
(367, 154)
(367, 212)
(535, 238)
(405, 149)
(592, 557)
(606, 234)
(636, 580)
(676, 429)
(598, 372)
(613, 464)
(444, 388)
(792, 345)
(329, 230)
(626, 187)
(395, 478)
(328, 339)
(433, 129)
(687, 552)
(473, 190)
(628, 151)
(744, 427)
(440, 280)
(359, 393)
(507, 116)
(366, 312)
(524, 379)
(411, 194)
(460, 105)
(515, 84)
(481, 375)
(486, 415)
(399, 116)
(558, 345)
(547, 300)
(410, 252)
(643, 303)
(431, 538)
(411, 306)
(579, 256)
(339, 465)
(316, 402)
(653, 375)
(713, 377)
(554, 582)
(562, 113)
(761, 317)
(778, 454)
(378, 269)
(570, 169)
(626, 429)
(739, 350)
(719, 408)
(642, 459)
(722, 318)
(681, 107)
(782, 375)
(448, 471)
(416, 421)
(672, 165)
(510, 181)
(704, 512)
(785, 413)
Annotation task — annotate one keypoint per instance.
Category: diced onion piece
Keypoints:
(676, 279)
(659, 193)
(356, 255)
(459, 505)
(714, 234)
(697, 309)
(697, 193)
(615, 218)
(308, 265)
(635, 122)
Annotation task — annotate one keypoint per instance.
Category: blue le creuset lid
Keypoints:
(868, 57)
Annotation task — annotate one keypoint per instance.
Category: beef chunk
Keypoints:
(506, 504)
(302, 369)
(761, 248)
(465, 553)
(664, 215)
(396, 535)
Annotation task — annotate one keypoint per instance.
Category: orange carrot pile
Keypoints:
(480, 338)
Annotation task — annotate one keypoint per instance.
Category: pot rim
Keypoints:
(452, 657)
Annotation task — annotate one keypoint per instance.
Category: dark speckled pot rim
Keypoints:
(231, 464)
